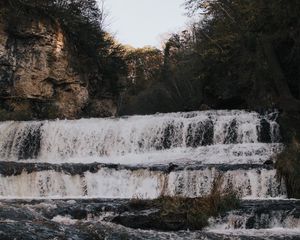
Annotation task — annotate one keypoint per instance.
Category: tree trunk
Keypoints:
(286, 100)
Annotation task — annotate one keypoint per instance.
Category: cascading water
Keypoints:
(64, 140)
(175, 154)
(208, 139)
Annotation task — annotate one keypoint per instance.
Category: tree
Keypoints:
(144, 65)
(258, 34)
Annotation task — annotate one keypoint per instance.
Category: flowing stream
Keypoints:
(174, 154)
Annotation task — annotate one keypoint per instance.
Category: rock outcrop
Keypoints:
(38, 72)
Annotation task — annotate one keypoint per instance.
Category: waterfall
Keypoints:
(140, 183)
(87, 138)
(176, 154)
(101, 164)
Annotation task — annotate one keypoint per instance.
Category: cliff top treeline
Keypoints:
(239, 54)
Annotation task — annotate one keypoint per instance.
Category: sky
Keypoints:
(144, 22)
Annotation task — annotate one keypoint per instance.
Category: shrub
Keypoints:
(195, 212)
(180, 213)
(20, 115)
(288, 168)
(288, 162)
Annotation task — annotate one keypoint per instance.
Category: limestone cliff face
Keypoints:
(37, 68)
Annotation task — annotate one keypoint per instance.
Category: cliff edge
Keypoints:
(42, 75)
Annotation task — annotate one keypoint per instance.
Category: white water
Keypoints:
(258, 222)
(211, 137)
(199, 138)
(271, 233)
(270, 220)
(110, 183)
(248, 153)
(57, 141)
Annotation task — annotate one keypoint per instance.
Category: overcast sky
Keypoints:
(144, 22)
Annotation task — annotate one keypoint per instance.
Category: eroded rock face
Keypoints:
(37, 65)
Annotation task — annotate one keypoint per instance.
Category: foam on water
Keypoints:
(269, 220)
(67, 220)
(266, 233)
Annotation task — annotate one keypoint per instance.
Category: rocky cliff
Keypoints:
(38, 73)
